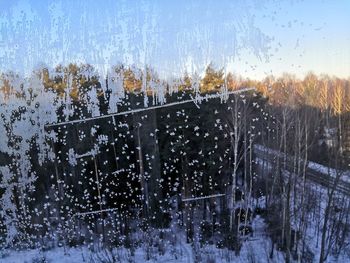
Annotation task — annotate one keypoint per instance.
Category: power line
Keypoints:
(200, 98)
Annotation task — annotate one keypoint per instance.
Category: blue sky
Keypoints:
(254, 38)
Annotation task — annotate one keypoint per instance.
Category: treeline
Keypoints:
(322, 92)
(81, 86)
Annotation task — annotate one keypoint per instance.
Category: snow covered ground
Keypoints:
(319, 192)
(254, 249)
(345, 176)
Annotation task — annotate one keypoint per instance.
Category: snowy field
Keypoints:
(254, 249)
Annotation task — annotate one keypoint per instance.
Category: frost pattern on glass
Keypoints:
(127, 135)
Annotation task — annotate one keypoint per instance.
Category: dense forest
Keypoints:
(130, 162)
